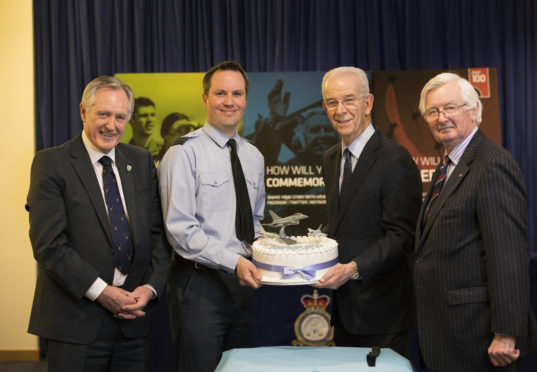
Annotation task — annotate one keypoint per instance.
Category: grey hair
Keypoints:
(362, 77)
(469, 94)
(110, 82)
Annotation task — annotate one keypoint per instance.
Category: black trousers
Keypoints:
(109, 352)
(209, 314)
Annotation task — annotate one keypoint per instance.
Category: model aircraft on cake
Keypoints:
(282, 222)
(316, 232)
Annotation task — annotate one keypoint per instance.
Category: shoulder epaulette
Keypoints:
(182, 140)
(249, 141)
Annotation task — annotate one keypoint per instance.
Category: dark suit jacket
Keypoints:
(375, 227)
(72, 240)
(471, 271)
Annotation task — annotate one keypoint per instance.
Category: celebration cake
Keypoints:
(295, 260)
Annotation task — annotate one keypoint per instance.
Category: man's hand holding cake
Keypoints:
(247, 273)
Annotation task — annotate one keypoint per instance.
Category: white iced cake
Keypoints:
(303, 262)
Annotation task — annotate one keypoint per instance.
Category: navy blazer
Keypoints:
(375, 227)
(72, 240)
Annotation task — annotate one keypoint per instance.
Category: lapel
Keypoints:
(126, 169)
(420, 226)
(457, 176)
(362, 169)
(83, 167)
(331, 172)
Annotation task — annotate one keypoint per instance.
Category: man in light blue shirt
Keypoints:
(210, 285)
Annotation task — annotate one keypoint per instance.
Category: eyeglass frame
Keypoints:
(334, 103)
(450, 115)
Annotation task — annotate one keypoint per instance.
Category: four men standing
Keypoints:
(97, 234)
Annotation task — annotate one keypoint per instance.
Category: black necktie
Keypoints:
(123, 250)
(244, 221)
(347, 174)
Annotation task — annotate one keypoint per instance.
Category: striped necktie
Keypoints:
(439, 183)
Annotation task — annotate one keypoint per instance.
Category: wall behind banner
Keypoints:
(17, 266)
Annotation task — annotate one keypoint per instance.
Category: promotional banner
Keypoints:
(284, 118)
(286, 121)
(167, 106)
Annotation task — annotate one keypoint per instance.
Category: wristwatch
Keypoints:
(356, 274)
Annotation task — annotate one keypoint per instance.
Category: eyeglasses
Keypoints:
(349, 103)
(433, 114)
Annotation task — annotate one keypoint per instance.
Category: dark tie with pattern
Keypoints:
(439, 183)
(123, 250)
(244, 221)
(347, 174)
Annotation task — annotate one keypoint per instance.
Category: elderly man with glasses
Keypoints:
(471, 271)
(373, 192)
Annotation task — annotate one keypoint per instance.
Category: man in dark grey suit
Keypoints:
(471, 271)
(96, 233)
(373, 191)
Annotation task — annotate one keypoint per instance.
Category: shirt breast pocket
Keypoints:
(215, 189)
(251, 181)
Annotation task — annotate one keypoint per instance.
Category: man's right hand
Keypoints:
(336, 276)
(247, 273)
(114, 298)
(502, 350)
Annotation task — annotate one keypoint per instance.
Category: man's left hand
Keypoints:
(336, 276)
(142, 295)
(502, 350)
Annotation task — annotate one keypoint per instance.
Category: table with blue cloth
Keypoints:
(310, 359)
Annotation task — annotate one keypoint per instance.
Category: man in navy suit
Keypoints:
(94, 286)
(373, 192)
(471, 271)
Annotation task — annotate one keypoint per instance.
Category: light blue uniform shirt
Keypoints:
(198, 197)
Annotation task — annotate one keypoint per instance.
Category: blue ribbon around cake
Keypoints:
(307, 272)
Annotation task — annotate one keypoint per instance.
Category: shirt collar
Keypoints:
(357, 146)
(218, 136)
(94, 153)
(456, 153)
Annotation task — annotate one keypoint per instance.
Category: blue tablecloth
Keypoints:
(310, 359)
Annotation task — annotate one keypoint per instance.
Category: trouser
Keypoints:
(109, 352)
(209, 313)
